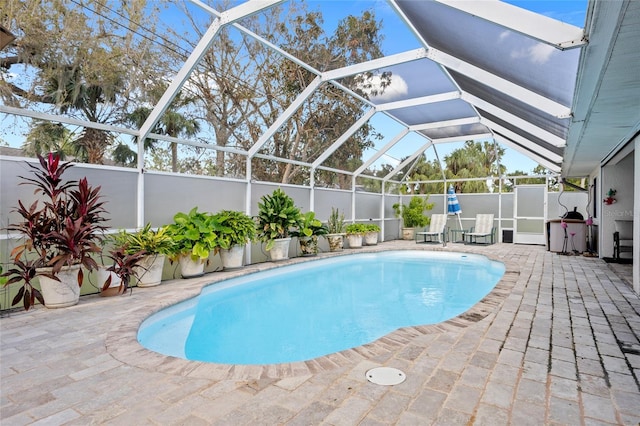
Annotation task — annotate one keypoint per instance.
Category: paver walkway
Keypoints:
(556, 343)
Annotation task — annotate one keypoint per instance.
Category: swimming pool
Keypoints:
(303, 311)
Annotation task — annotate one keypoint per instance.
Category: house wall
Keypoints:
(636, 218)
(622, 174)
(616, 175)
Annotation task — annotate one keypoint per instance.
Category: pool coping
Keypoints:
(121, 340)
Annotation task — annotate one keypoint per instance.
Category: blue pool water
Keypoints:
(304, 311)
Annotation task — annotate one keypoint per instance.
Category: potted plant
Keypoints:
(308, 231)
(61, 230)
(236, 230)
(156, 244)
(116, 278)
(195, 236)
(277, 216)
(370, 236)
(335, 228)
(413, 215)
(355, 232)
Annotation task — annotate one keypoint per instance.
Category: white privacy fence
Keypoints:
(155, 197)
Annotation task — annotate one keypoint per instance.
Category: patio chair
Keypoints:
(437, 230)
(622, 237)
(483, 228)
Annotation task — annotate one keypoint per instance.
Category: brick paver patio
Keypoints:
(555, 343)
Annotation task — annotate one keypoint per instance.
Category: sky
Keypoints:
(399, 39)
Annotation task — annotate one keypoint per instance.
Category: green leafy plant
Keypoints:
(355, 228)
(413, 214)
(335, 224)
(308, 231)
(194, 234)
(146, 239)
(277, 216)
(309, 226)
(62, 228)
(235, 228)
(371, 227)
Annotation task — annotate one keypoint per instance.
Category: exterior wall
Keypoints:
(636, 218)
(623, 175)
(617, 176)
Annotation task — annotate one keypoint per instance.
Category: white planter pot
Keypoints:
(407, 233)
(371, 238)
(336, 241)
(114, 288)
(190, 268)
(232, 258)
(354, 240)
(149, 273)
(102, 276)
(280, 249)
(63, 293)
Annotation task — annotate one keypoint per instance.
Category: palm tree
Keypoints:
(172, 123)
(175, 124)
(46, 136)
(69, 90)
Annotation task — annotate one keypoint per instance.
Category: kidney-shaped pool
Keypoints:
(303, 311)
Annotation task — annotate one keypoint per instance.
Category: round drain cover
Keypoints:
(385, 376)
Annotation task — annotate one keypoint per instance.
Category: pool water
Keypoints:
(303, 311)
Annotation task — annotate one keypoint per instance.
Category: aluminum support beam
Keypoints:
(440, 97)
(517, 121)
(542, 28)
(534, 147)
(408, 160)
(66, 120)
(381, 152)
(227, 17)
(262, 40)
(448, 123)
(541, 160)
(374, 64)
(342, 139)
(511, 89)
(286, 114)
(462, 138)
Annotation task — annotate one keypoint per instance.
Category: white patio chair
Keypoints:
(437, 229)
(483, 228)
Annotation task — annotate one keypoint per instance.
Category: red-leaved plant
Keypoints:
(62, 228)
(124, 266)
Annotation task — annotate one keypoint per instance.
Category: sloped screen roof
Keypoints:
(484, 68)
(507, 79)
